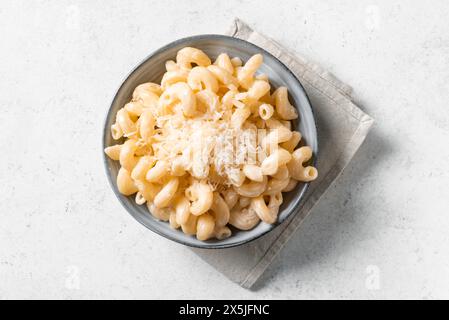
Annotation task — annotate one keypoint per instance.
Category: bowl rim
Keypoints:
(106, 132)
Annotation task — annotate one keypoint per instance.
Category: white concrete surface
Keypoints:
(381, 232)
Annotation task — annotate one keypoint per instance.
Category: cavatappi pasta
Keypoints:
(211, 146)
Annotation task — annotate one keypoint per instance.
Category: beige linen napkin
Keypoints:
(342, 127)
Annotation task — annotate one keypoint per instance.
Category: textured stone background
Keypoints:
(381, 232)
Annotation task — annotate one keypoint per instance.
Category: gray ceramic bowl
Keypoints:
(152, 69)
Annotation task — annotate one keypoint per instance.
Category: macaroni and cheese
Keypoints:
(211, 147)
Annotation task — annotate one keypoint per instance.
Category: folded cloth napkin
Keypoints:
(342, 127)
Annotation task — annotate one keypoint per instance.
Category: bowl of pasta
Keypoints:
(211, 142)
